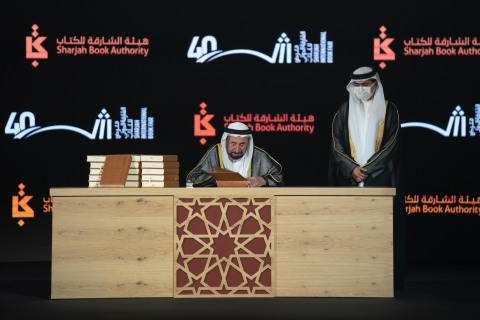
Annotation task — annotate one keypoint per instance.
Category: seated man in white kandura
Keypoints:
(237, 152)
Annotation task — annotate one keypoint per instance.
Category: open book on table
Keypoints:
(227, 178)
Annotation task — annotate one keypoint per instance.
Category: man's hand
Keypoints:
(359, 174)
(254, 182)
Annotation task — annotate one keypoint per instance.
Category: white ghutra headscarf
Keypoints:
(365, 117)
(237, 129)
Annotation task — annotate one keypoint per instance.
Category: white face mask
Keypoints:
(363, 93)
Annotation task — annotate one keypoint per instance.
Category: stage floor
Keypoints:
(430, 291)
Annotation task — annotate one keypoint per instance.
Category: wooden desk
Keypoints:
(222, 242)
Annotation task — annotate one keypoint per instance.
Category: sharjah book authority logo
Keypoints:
(34, 48)
(457, 124)
(422, 46)
(104, 128)
(20, 208)
(381, 48)
(201, 124)
(206, 50)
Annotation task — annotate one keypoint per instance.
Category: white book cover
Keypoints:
(134, 177)
(136, 158)
(160, 165)
(99, 165)
(96, 158)
(147, 171)
(167, 171)
(94, 177)
(96, 184)
(160, 177)
(151, 164)
(96, 165)
(102, 157)
(159, 157)
(132, 184)
(96, 171)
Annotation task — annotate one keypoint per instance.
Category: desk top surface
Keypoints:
(277, 191)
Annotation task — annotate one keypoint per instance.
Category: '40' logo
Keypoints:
(208, 44)
(25, 121)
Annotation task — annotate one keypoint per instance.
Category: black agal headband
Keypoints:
(239, 132)
(363, 75)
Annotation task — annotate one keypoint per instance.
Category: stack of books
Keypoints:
(97, 164)
(160, 170)
(133, 170)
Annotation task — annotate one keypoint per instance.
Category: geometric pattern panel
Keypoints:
(223, 247)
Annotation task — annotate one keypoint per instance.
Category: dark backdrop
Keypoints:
(72, 90)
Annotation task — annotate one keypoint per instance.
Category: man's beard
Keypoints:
(235, 156)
